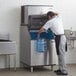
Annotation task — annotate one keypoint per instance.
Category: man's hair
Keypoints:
(51, 14)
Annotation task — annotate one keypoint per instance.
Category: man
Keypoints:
(55, 24)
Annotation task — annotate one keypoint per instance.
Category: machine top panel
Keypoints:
(36, 10)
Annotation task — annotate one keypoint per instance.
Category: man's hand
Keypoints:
(40, 31)
(56, 13)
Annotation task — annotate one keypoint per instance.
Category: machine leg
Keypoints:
(51, 67)
(15, 62)
(9, 61)
(31, 69)
(5, 61)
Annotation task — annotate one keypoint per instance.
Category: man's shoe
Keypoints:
(61, 73)
(56, 71)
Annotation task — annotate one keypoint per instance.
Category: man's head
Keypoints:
(51, 14)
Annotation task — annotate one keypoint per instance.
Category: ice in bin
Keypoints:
(40, 45)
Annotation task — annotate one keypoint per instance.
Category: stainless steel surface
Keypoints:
(30, 56)
(72, 40)
(7, 60)
(33, 10)
(7, 48)
(28, 53)
(15, 62)
(70, 37)
(36, 57)
(37, 10)
(4, 35)
(25, 45)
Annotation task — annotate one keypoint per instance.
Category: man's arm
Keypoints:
(40, 31)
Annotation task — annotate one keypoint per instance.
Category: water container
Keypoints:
(40, 45)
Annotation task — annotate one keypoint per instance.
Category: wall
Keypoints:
(10, 22)
(10, 19)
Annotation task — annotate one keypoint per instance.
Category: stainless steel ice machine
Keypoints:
(33, 18)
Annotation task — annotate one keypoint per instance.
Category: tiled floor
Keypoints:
(37, 72)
